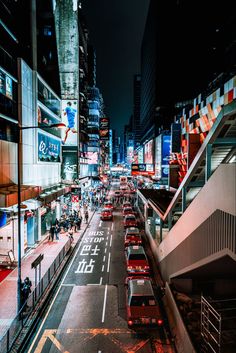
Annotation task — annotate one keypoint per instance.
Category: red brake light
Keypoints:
(130, 322)
(160, 322)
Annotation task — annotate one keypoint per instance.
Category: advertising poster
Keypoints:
(148, 152)
(166, 150)
(2, 83)
(9, 87)
(70, 119)
(130, 154)
(69, 165)
(142, 169)
(92, 157)
(48, 148)
(158, 151)
(140, 156)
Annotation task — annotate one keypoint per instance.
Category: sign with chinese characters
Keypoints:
(49, 148)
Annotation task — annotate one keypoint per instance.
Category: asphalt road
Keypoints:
(88, 312)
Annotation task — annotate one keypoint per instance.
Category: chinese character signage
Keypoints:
(70, 119)
(104, 129)
(48, 148)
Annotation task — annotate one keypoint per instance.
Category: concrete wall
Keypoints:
(218, 193)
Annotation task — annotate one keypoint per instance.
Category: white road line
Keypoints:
(105, 251)
(102, 268)
(109, 260)
(112, 226)
(106, 243)
(68, 285)
(55, 297)
(104, 258)
(111, 241)
(104, 304)
(100, 281)
(100, 224)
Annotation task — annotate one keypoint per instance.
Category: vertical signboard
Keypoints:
(104, 129)
(70, 119)
(49, 148)
(69, 165)
(166, 150)
(148, 152)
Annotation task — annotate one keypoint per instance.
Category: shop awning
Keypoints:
(158, 199)
(50, 194)
(9, 194)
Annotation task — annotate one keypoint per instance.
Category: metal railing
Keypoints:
(20, 321)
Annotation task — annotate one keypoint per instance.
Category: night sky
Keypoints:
(116, 28)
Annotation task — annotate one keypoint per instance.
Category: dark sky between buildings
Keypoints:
(116, 29)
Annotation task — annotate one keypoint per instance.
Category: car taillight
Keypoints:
(146, 267)
(129, 268)
(160, 322)
(130, 322)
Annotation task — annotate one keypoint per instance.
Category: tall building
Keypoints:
(136, 110)
(172, 69)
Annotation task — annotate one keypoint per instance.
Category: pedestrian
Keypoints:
(52, 233)
(70, 234)
(78, 223)
(56, 222)
(86, 215)
(26, 289)
(57, 231)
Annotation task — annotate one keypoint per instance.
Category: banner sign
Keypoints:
(142, 169)
(69, 165)
(104, 129)
(70, 119)
(49, 149)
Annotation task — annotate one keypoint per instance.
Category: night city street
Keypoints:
(117, 176)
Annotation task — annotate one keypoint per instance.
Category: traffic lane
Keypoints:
(96, 327)
(93, 257)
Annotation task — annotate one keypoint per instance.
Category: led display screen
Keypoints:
(70, 119)
(148, 152)
(48, 148)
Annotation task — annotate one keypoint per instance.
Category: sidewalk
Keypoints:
(8, 287)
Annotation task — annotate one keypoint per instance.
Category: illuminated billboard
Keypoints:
(92, 157)
(142, 169)
(148, 152)
(104, 129)
(140, 155)
(130, 154)
(70, 119)
(162, 155)
(49, 148)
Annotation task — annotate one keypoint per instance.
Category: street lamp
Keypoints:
(20, 128)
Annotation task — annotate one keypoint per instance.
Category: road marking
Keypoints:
(104, 304)
(95, 284)
(109, 260)
(106, 243)
(104, 258)
(112, 226)
(100, 281)
(100, 223)
(68, 285)
(50, 307)
(111, 241)
(102, 268)
(105, 250)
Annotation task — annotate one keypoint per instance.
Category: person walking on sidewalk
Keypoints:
(86, 215)
(26, 290)
(70, 234)
(52, 233)
(57, 231)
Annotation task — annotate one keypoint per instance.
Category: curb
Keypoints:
(26, 333)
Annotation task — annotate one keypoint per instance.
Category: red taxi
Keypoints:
(130, 221)
(132, 236)
(109, 204)
(136, 260)
(127, 210)
(106, 215)
(142, 306)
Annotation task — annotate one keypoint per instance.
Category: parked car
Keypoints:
(130, 221)
(127, 210)
(142, 306)
(136, 261)
(132, 236)
(106, 215)
(117, 193)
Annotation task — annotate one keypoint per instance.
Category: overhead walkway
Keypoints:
(202, 241)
